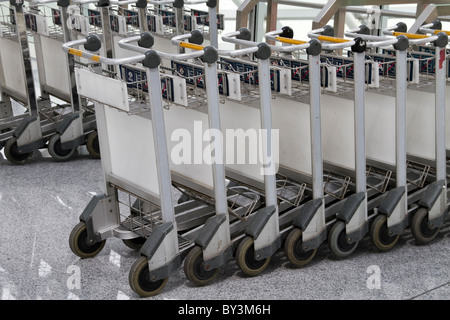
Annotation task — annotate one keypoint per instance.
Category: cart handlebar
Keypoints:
(336, 43)
(242, 37)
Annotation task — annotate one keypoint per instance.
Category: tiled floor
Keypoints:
(40, 203)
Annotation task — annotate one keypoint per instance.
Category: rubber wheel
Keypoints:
(422, 233)
(337, 241)
(245, 258)
(12, 152)
(139, 279)
(56, 151)
(194, 268)
(379, 234)
(135, 243)
(78, 242)
(294, 250)
(92, 145)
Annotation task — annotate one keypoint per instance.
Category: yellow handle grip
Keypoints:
(79, 53)
(446, 32)
(75, 52)
(332, 39)
(410, 35)
(290, 41)
(191, 46)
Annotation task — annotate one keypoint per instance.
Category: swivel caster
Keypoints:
(293, 248)
(245, 258)
(80, 245)
(56, 150)
(11, 151)
(140, 282)
(380, 235)
(420, 228)
(337, 241)
(195, 269)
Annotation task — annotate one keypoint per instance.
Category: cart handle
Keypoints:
(142, 48)
(95, 43)
(376, 41)
(336, 43)
(400, 28)
(433, 28)
(243, 35)
(290, 41)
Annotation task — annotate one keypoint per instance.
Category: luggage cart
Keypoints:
(167, 235)
(433, 204)
(412, 181)
(344, 151)
(390, 218)
(57, 81)
(166, 19)
(216, 244)
(290, 194)
(421, 156)
(21, 134)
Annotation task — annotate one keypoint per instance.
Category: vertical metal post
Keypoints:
(107, 34)
(179, 16)
(266, 124)
(161, 150)
(400, 118)
(213, 30)
(74, 97)
(143, 25)
(316, 141)
(212, 96)
(23, 41)
(441, 173)
(360, 152)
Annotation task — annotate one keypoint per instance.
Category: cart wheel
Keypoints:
(294, 250)
(78, 242)
(56, 151)
(422, 233)
(12, 152)
(245, 258)
(337, 241)
(92, 145)
(139, 279)
(135, 243)
(194, 268)
(379, 234)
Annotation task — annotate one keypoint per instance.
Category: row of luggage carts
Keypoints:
(282, 145)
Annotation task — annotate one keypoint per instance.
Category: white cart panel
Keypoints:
(12, 65)
(238, 116)
(132, 150)
(292, 119)
(338, 131)
(55, 64)
(177, 118)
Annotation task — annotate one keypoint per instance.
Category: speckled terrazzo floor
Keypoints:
(40, 203)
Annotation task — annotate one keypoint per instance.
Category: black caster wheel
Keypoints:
(79, 244)
(294, 250)
(420, 229)
(380, 235)
(135, 243)
(337, 241)
(12, 152)
(140, 282)
(56, 151)
(92, 145)
(245, 258)
(195, 269)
